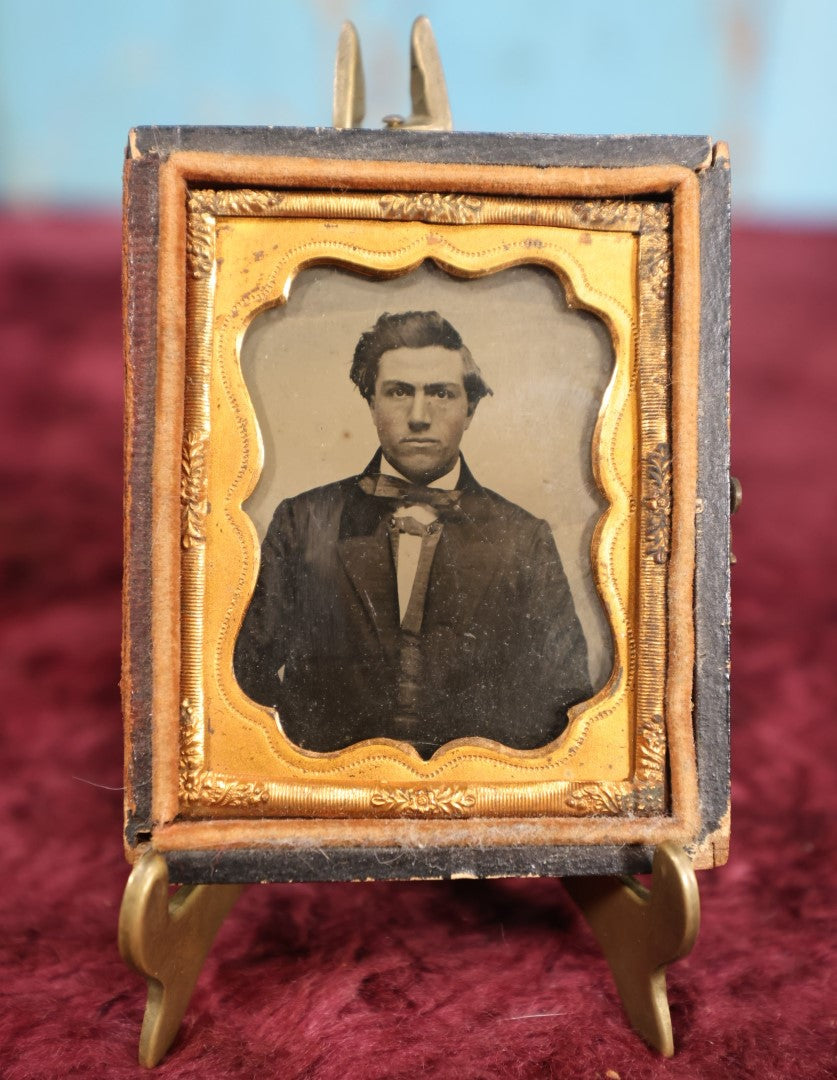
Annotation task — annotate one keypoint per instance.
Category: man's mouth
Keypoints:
(417, 440)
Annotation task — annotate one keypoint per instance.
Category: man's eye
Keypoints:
(442, 393)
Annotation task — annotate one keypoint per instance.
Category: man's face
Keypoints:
(420, 410)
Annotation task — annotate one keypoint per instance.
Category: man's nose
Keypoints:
(419, 412)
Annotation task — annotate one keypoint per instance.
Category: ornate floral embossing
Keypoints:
(431, 206)
(246, 202)
(197, 784)
(658, 503)
(656, 216)
(443, 802)
(206, 206)
(193, 505)
(623, 214)
(649, 797)
(651, 750)
(235, 202)
(216, 790)
(597, 799)
(191, 753)
(200, 235)
(191, 744)
(600, 211)
(607, 214)
(657, 270)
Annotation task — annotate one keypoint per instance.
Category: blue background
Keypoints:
(74, 77)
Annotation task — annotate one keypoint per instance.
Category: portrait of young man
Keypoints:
(411, 601)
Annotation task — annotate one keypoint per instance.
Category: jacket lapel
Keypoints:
(364, 549)
(464, 564)
(466, 559)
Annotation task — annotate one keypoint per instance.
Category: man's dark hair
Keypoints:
(413, 330)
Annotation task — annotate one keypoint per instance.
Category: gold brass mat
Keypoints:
(612, 257)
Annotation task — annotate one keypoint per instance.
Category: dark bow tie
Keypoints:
(404, 493)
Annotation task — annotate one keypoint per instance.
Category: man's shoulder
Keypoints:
(499, 508)
(315, 505)
(491, 506)
(328, 493)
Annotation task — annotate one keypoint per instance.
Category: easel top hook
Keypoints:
(428, 92)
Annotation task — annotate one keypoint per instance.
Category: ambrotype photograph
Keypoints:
(425, 509)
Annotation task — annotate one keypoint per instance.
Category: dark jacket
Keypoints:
(503, 654)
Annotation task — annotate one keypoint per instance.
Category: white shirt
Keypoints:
(409, 546)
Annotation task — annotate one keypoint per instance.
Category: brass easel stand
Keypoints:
(166, 938)
(640, 931)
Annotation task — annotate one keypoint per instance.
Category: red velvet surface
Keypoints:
(462, 979)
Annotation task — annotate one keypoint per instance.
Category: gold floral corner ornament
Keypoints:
(604, 213)
(651, 753)
(424, 802)
(657, 267)
(193, 505)
(601, 799)
(658, 503)
(648, 793)
(204, 209)
(235, 202)
(199, 786)
(200, 237)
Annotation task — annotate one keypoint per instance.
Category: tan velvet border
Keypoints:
(175, 175)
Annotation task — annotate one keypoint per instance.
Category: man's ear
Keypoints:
(472, 408)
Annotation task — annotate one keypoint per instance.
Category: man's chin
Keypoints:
(420, 464)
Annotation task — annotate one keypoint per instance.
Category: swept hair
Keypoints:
(413, 330)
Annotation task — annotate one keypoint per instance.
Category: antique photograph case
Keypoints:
(427, 503)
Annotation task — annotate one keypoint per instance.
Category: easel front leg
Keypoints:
(640, 932)
(166, 939)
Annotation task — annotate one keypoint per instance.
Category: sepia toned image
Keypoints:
(426, 509)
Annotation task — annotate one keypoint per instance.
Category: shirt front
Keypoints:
(409, 546)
